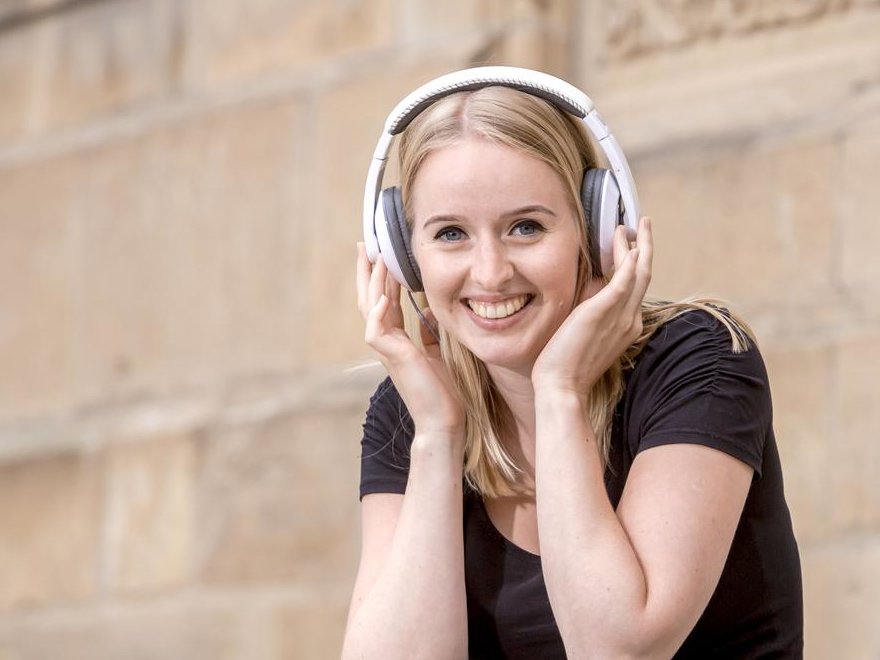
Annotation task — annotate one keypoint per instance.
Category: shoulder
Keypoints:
(386, 404)
(689, 384)
(385, 445)
(698, 337)
(697, 324)
(388, 419)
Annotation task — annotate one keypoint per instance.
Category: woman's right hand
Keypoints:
(420, 375)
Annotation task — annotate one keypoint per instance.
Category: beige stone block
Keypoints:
(149, 509)
(826, 421)
(15, 10)
(841, 600)
(423, 20)
(236, 41)
(350, 118)
(854, 461)
(184, 627)
(192, 268)
(234, 196)
(858, 200)
(80, 65)
(278, 500)
(532, 44)
(748, 224)
(37, 271)
(520, 11)
(17, 82)
(313, 629)
(708, 90)
(49, 534)
(803, 422)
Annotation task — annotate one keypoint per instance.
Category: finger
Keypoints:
(645, 243)
(623, 256)
(615, 295)
(641, 277)
(364, 268)
(620, 246)
(376, 286)
(390, 342)
(392, 290)
(375, 329)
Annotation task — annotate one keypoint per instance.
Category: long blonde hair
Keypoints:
(535, 127)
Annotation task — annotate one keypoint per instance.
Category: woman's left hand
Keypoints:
(603, 325)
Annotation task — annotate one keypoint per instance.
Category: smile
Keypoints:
(498, 310)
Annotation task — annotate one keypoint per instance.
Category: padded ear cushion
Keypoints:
(399, 235)
(600, 195)
(591, 198)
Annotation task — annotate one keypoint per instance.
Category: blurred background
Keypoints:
(180, 195)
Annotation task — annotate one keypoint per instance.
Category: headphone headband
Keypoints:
(558, 92)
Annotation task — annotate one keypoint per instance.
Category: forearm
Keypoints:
(416, 606)
(594, 578)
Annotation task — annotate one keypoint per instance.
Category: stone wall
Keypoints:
(180, 189)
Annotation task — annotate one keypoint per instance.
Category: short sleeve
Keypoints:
(385, 446)
(689, 386)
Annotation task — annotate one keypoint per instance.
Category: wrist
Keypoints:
(552, 394)
(433, 444)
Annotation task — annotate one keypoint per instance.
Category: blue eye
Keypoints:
(449, 234)
(527, 228)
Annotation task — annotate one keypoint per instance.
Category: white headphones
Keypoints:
(609, 196)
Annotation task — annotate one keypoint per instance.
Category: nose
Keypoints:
(492, 267)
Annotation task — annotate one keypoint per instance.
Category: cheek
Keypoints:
(560, 282)
(439, 285)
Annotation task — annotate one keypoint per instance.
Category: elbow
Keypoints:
(633, 642)
(368, 646)
(621, 651)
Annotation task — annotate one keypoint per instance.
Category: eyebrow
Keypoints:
(523, 210)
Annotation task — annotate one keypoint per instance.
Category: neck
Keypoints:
(515, 387)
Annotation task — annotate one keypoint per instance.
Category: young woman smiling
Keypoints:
(571, 470)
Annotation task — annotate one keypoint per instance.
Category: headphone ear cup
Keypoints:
(600, 196)
(394, 240)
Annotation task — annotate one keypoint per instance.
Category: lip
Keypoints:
(493, 299)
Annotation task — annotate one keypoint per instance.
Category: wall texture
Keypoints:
(180, 189)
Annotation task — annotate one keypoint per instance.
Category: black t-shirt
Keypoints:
(687, 386)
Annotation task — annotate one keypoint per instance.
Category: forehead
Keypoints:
(476, 172)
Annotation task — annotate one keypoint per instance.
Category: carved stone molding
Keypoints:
(15, 14)
(634, 28)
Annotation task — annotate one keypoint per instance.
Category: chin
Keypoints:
(517, 358)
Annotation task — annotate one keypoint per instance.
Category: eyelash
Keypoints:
(533, 224)
(439, 236)
(537, 226)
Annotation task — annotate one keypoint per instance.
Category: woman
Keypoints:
(571, 471)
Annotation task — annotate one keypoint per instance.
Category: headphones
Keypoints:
(608, 196)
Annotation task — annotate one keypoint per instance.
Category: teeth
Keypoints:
(498, 310)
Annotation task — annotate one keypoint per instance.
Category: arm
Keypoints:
(634, 583)
(630, 583)
(409, 597)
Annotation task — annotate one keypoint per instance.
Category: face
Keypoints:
(495, 236)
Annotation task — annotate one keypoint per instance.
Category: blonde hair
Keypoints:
(535, 127)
